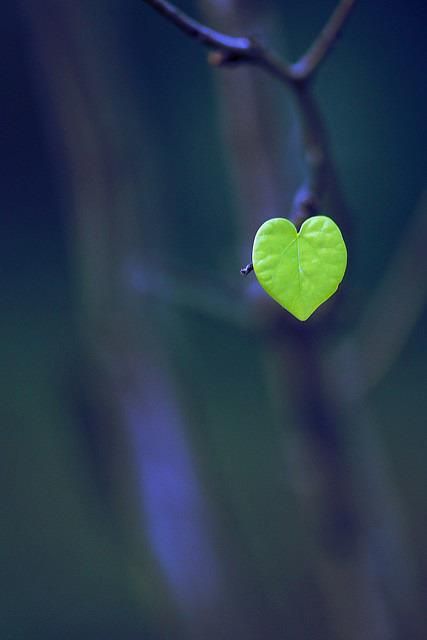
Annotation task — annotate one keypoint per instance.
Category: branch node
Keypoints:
(305, 205)
(222, 58)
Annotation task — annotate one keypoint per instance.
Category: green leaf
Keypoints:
(299, 270)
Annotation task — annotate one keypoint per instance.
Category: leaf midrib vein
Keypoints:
(281, 257)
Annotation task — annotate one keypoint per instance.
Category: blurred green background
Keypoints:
(157, 477)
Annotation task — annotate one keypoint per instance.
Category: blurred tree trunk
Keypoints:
(94, 119)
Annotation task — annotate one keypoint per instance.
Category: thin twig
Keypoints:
(248, 50)
(205, 35)
(247, 270)
(305, 67)
(234, 49)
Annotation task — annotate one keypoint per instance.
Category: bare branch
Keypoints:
(227, 50)
(233, 49)
(306, 66)
(247, 50)
(244, 271)
(321, 176)
(194, 29)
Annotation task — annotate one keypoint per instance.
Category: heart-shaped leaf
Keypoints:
(299, 270)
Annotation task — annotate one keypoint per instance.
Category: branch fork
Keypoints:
(230, 50)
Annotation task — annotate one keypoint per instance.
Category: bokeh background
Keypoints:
(179, 459)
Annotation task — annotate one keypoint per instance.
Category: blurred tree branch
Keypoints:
(398, 302)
